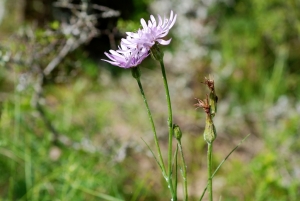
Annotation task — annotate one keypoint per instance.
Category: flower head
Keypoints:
(135, 48)
(125, 57)
(153, 32)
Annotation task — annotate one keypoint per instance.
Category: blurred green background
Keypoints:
(75, 132)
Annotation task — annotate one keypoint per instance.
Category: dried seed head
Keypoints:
(203, 104)
(213, 98)
(210, 83)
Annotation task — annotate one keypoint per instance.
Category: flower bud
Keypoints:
(210, 133)
(177, 132)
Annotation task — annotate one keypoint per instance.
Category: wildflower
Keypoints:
(125, 57)
(135, 48)
(153, 32)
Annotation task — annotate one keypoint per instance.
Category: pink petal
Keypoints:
(113, 52)
(153, 20)
(160, 21)
(149, 24)
(164, 42)
(111, 62)
(163, 34)
(144, 24)
(173, 22)
(110, 56)
(171, 15)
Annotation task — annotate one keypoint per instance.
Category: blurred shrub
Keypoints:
(260, 39)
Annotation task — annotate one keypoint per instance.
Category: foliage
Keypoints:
(94, 159)
(82, 168)
(259, 39)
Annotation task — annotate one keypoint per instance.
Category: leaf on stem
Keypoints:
(154, 156)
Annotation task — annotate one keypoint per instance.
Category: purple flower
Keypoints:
(135, 48)
(125, 57)
(153, 32)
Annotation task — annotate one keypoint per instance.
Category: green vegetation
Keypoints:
(96, 151)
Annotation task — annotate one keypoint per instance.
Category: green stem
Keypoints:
(153, 128)
(170, 125)
(215, 172)
(209, 167)
(185, 190)
(176, 170)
